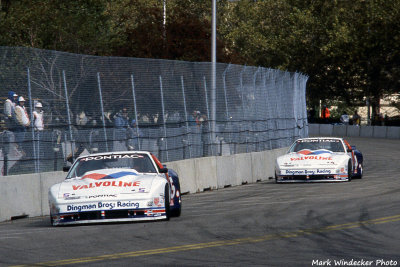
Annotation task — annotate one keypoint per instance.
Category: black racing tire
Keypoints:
(276, 179)
(166, 201)
(176, 212)
(349, 171)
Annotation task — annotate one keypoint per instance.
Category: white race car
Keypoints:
(319, 159)
(118, 186)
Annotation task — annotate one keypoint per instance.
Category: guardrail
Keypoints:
(26, 195)
(389, 132)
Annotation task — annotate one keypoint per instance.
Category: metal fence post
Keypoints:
(208, 120)
(35, 158)
(102, 110)
(163, 111)
(186, 122)
(68, 113)
(135, 108)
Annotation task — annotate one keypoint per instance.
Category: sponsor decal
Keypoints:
(100, 176)
(316, 152)
(68, 196)
(100, 196)
(306, 172)
(120, 156)
(106, 184)
(317, 140)
(311, 157)
(81, 207)
(103, 205)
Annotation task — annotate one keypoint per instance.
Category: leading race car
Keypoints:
(117, 186)
(319, 159)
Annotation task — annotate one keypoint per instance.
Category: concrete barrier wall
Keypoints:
(27, 195)
(389, 132)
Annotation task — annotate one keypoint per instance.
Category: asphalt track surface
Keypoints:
(263, 224)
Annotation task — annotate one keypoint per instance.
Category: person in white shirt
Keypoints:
(21, 114)
(38, 123)
(9, 110)
(345, 118)
(22, 120)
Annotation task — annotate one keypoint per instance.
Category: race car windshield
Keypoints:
(316, 144)
(139, 162)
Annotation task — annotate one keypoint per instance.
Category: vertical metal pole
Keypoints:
(243, 122)
(213, 71)
(226, 98)
(228, 120)
(102, 110)
(186, 115)
(38, 150)
(32, 126)
(135, 108)
(241, 89)
(208, 114)
(163, 111)
(68, 114)
(256, 99)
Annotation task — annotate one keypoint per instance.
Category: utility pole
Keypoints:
(213, 69)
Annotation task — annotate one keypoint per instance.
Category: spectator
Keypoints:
(386, 120)
(108, 119)
(134, 133)
(22, 120)
(325, 114)
(81, 119)
(38, 123)
(345, 118)
(21, 114)
(381, 119)
(193, 118)
(121, 119)
(9, 110)
(356, 118)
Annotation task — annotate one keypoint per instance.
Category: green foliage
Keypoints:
(349, 49)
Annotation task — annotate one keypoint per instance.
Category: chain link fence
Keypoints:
(96, 104)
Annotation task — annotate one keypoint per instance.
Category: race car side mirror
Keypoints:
(349, 150)
(66, 168)
(164, 170)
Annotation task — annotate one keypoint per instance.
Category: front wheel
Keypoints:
(349, 171)
(166, 201)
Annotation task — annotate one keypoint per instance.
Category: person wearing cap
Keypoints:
(22, 120)
(9, 110)
(21, 114)
(38, 123)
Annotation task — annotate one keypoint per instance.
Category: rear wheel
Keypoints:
(176, 212)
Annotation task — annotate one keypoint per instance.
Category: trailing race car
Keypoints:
(117, 186)
(319, 159)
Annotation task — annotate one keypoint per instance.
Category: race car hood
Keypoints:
(311, 158)
(107, 182)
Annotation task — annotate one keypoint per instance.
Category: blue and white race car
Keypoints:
(115, 187)
(319, 159)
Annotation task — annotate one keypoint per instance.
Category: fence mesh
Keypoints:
(96, 104)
